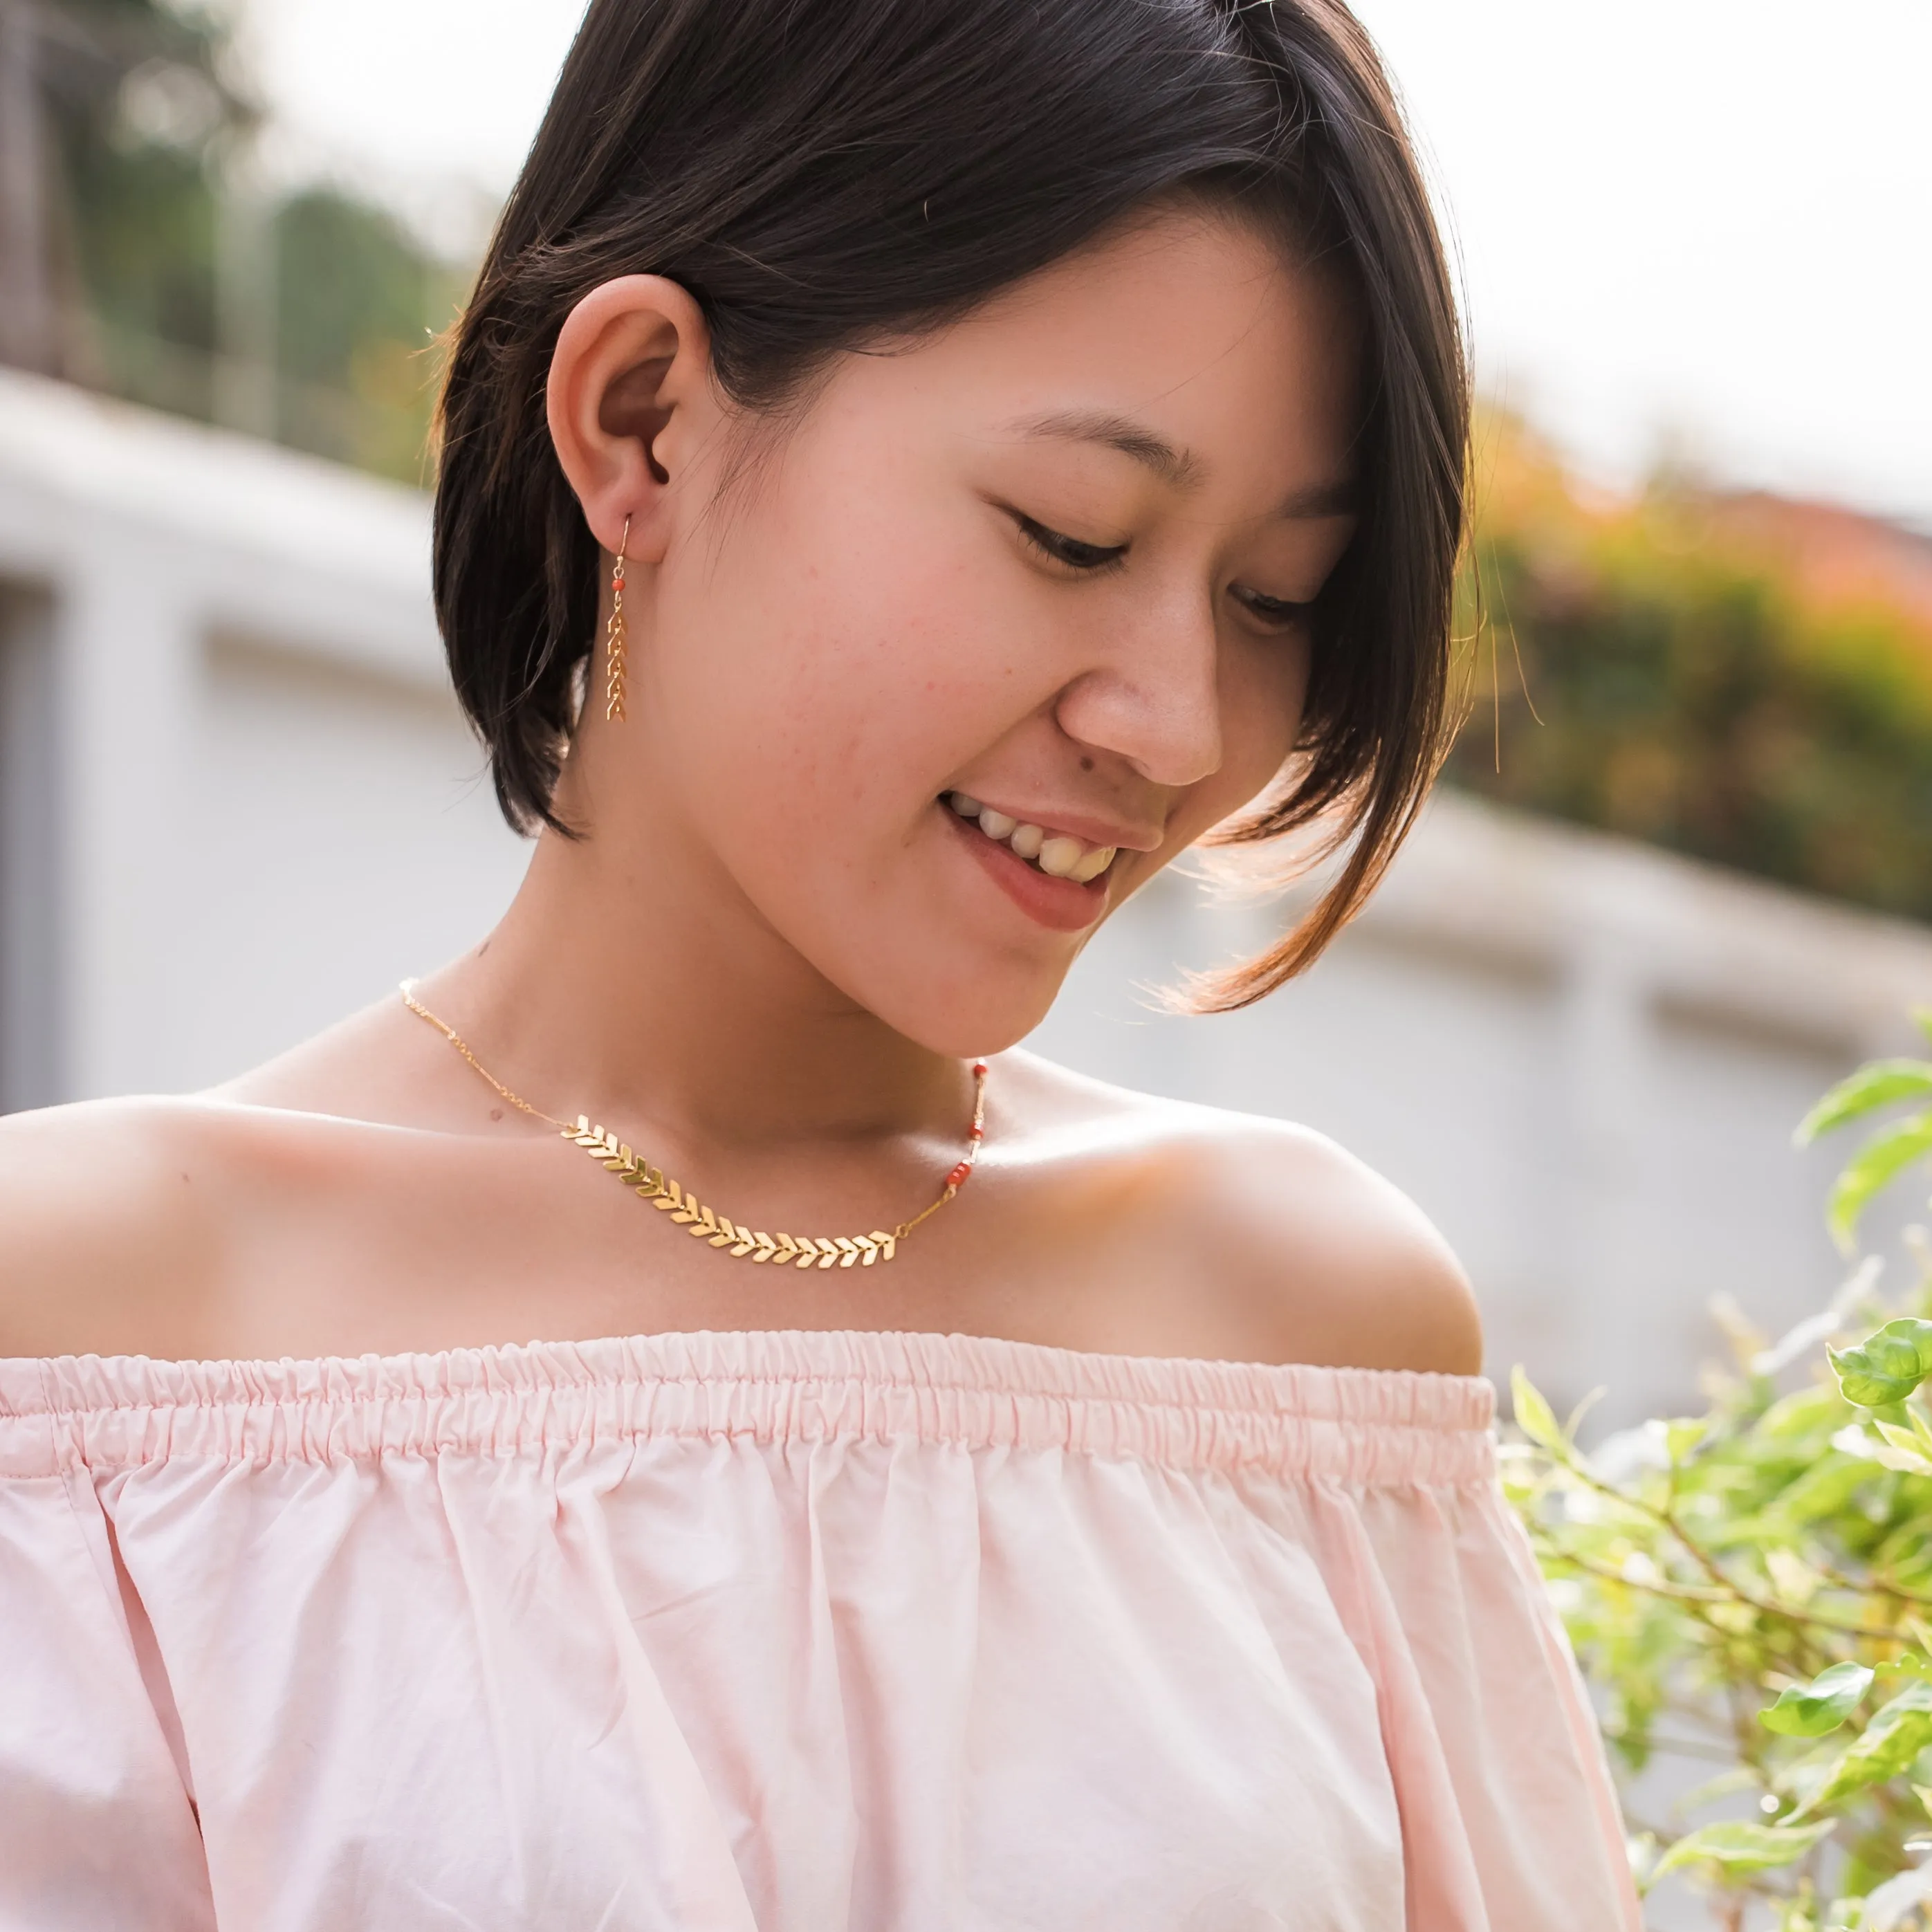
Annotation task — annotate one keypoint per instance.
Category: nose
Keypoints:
(1154, 697)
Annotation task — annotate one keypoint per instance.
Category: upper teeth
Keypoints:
(1057, 854)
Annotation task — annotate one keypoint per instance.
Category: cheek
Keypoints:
(815, 683)
(829, 662)
(1264, 687)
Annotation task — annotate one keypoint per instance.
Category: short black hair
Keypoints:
(819, 174)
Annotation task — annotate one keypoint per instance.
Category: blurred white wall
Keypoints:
(237, 800)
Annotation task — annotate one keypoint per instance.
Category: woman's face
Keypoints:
(1044, 570)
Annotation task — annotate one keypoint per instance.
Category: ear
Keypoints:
(630, 402)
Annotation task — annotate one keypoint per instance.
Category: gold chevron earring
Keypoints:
(613, 636)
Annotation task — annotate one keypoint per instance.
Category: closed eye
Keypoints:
(1068, 550)
(1277, 613)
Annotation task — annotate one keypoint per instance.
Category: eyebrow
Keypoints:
(1178, 468)
(1131, 439)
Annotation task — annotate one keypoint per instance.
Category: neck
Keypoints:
(632, 980)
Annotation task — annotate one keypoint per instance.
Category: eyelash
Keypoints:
(1096, 560)
(1278, 611)
(1090, 559)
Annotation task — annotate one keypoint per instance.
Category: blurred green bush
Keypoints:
(1662, 668)
(184, 287)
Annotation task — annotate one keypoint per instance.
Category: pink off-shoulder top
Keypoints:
(782, 1631)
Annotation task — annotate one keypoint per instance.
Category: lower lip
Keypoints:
(1060, 905)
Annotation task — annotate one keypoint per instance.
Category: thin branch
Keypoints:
(1874, 1586)
(1694, 1594)
(1728, 1589)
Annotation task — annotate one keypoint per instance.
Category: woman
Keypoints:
(908, 472)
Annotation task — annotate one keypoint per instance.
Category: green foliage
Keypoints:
(149, 133)
(1888, 1366)
(358, 303)
(1882, 1158)
(1887, 1747)
(140, 118)
(1751, 1589)
(1738, 1848)
(1811, 1710)
(1875, 1085)
(1642, 669)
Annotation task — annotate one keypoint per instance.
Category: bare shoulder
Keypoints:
(127, 1224)
(106, 1220)
(1304, 1234)
(1277, 1243)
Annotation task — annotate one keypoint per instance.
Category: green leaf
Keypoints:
(1887, 1366)
(1533, 1415)
(1818, 1494)
(1882, 1158)
(1872, 1086)
(1913, 1445)
(1740, 1847)
(1821, 1705)
(1923, 1016)
(1898, 1732)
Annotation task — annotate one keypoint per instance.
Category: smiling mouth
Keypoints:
(1058, 854)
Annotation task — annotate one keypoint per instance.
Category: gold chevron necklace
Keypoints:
(704, 1224)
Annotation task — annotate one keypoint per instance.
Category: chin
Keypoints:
(992, 1005)
(971, 1030)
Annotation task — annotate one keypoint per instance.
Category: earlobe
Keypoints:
(630, 375)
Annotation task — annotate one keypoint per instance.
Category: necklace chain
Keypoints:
(735, 1238)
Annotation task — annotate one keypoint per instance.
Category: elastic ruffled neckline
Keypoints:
(1371, 1426)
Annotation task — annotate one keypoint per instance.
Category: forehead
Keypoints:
(1236, 365)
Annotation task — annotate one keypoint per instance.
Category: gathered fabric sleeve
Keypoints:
(97, 1828)
(792, 1629)
(1510, 1818)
